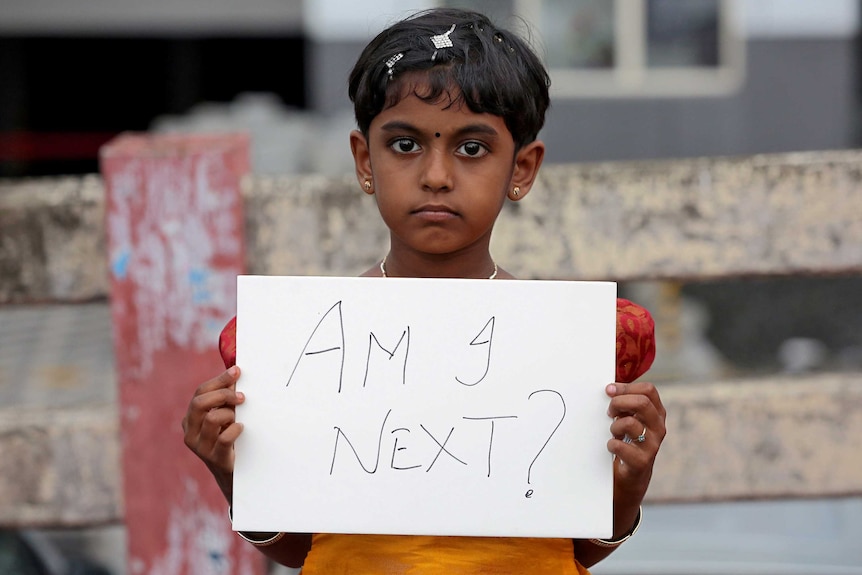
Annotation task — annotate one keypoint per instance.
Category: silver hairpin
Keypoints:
(390, 63)
(442, 41)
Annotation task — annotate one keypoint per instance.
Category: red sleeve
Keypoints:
(227, 343)
(635, 341)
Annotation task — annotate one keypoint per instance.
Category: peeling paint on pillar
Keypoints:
(175, 246)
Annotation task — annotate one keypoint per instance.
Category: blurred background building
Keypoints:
(632, 80)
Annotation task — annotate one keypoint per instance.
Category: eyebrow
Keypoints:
(399, 126)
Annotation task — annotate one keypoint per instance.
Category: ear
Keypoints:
(362, 161)
(528, 160)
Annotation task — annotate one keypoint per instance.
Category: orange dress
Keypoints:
(336, 554)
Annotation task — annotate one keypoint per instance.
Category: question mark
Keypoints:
(529, 493)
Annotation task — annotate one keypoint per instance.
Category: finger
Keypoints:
(635, 407)
(222, 456)
(201, 406)
(631, 428)
(206, 443)
(636, 432)
(639, 455)
(225, 379)
(641, 402)
(220, 453)
(214, 423)
(646, 389)
(636, 458)
(219, 392)
(228, 437)
(203, 401)
(633, 471)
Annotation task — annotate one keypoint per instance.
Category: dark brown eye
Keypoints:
(404, 145)
(473, 149)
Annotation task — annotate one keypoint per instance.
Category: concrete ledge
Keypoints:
(60, 467)
(691, 219)
(761, 438)
(701, 218)
(52, 240)
(740, 439)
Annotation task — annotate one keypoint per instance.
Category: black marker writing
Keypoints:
(442, 447)
(396, 449)
(331, 344)
(485, 337)
(372, 339)
(339, 433)
(544, 445)
(491, 438)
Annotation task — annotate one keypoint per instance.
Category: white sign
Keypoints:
(424, 406)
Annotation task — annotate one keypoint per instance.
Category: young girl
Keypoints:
(448, 108)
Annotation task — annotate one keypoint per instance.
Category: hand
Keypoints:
(210, 428)
(638, 430)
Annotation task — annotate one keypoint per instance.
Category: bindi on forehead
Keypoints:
(436, 134)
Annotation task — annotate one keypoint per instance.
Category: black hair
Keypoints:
(494, 70)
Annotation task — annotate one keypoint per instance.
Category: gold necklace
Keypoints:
(383, 269)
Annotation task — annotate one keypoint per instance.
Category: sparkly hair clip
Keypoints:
(441, 41)
(390, 63)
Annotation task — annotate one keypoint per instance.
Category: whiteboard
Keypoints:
(424, 406)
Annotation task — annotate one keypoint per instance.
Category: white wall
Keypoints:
(350, 20)
(800, 18)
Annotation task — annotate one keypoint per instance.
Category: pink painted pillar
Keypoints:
(175, 247)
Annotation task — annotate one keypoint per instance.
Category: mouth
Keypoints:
(435, 213)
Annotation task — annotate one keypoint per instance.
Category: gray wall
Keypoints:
(797, 95)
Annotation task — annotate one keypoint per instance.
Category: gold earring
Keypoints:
(516, 191)
(367, 185)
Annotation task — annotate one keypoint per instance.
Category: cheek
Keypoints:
(387, 203)
(389, 174)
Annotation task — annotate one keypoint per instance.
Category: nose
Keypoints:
(437, 171)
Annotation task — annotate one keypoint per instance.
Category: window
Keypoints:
(639, 47)
(632, 48)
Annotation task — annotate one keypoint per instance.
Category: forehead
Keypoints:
(422, 86)
(412, 99)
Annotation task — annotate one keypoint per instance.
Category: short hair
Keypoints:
(494, 70)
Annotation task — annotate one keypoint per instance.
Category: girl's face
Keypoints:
(440, 174)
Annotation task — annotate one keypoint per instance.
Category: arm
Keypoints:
(210, 430)
(637, 410)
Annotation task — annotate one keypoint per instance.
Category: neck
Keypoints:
(488, 270)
